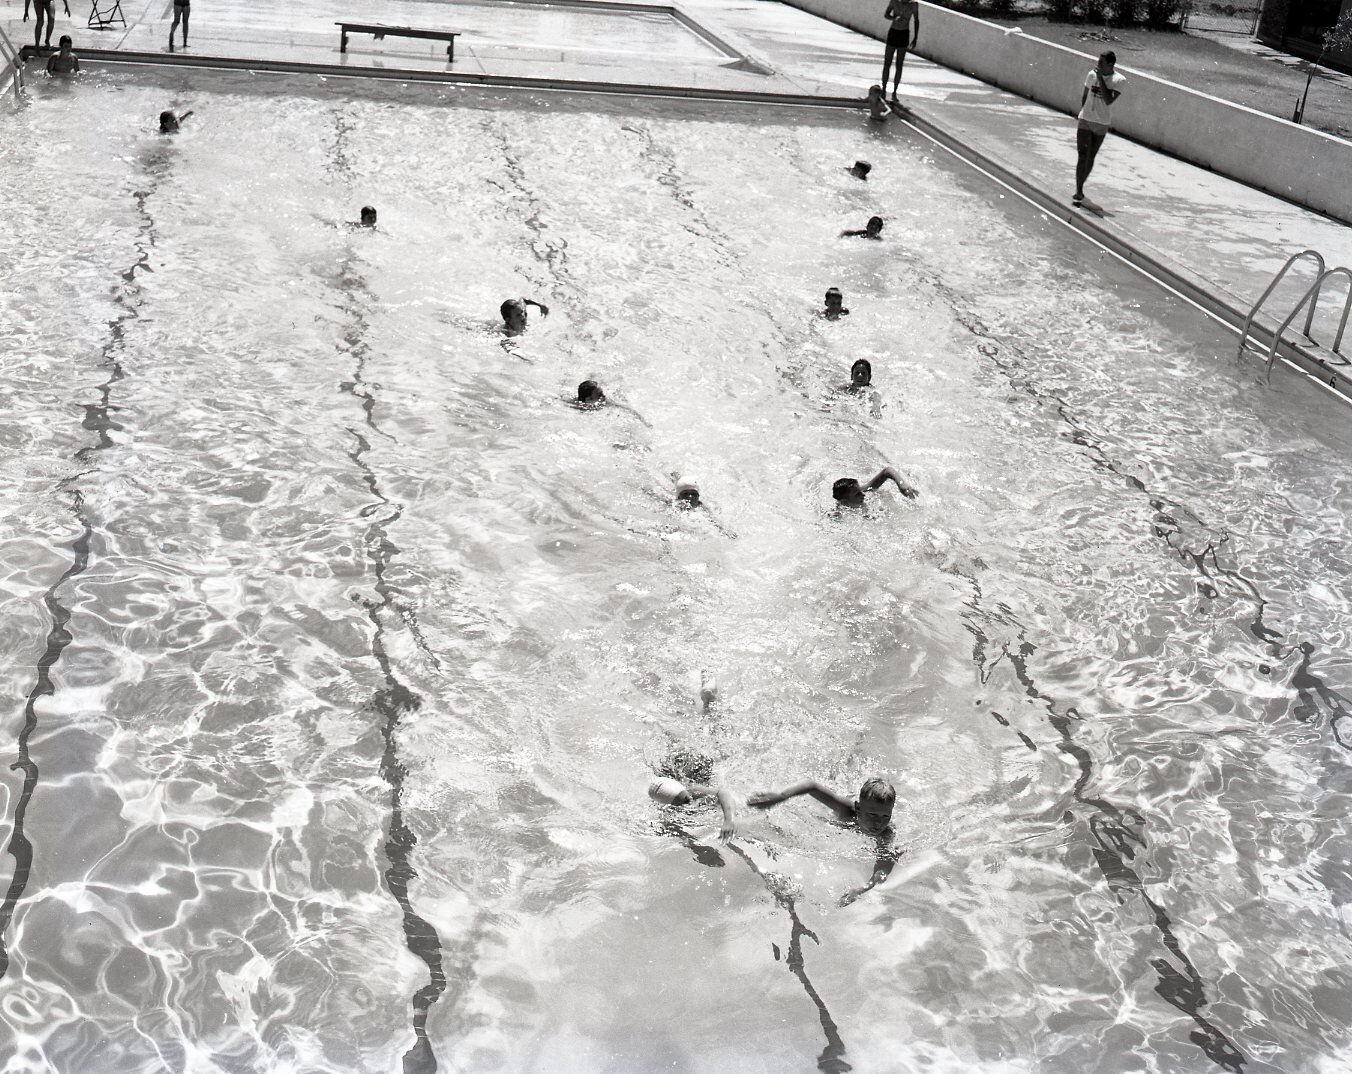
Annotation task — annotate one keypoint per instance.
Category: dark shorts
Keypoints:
(181, 4)
(899, 38)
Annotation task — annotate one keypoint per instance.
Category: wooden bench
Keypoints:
(378, 31)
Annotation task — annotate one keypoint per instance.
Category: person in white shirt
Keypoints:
(1102, 86)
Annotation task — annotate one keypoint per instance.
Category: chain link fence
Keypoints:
(1224, 18)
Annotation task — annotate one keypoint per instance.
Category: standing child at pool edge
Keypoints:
(900, 37)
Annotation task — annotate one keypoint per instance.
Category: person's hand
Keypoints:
(762, 799)
(906, 490)
(727, 831)
(544, 310)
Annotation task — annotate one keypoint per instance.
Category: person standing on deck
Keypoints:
(900, 37)
(44, 10)
(1102, 86)
(181, 12)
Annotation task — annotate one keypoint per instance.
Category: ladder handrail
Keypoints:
(6, 45)
(1313, 292)
(1309, 319)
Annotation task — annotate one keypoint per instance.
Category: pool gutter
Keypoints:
(458, 78)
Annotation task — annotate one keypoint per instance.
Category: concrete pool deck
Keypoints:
(1229, 237)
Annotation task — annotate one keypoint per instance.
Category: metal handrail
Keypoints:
(1313, 293)
(6, 45)
(1309, 318)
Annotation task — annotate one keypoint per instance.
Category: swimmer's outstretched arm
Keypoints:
(829, 798)
(725, 802)
(888, 474)
(544, 310)
(882, 869)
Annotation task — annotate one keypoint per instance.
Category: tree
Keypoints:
(1339, 36)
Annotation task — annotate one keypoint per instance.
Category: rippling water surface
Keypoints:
(340, 649)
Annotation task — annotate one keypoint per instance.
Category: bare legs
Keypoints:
(1087, 144)
(895, 48)
(180, 13)
(44, 13)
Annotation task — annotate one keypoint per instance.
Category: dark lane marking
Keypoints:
(97, 419)
(395, 699)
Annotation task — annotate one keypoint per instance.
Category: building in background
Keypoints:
(1297, 26)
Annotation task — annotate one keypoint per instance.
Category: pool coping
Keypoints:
(113, 57)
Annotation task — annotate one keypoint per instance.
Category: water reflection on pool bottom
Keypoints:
(363, 645)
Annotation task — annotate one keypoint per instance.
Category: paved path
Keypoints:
(1227, 233)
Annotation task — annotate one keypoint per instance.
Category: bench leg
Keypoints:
(343, 46)
(450, 52)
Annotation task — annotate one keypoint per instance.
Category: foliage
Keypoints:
(1125, 12)
(1095, 11)
(1162, 14)
(1060, 10)
(1339, 35)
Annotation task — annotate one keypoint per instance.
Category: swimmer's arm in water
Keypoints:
(842, 807)
(882, 869)
(544, 310)
(725, 802)
(886, 474)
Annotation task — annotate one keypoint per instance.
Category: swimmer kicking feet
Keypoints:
(514, 314)
(873, 230)
(835, 305)
(849, 493)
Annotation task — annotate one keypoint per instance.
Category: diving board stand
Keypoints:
(378, 31)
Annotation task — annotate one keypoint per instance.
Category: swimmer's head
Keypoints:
(589, 393)
(368, 216)
(66, 42)
(874, 227)
(861, 375)
(875, 93)
(861, 169)
(513, 314)
(873, 810)
(687, 494)
(834, 299)
(668, 792)
(847, 492)
(168, 122)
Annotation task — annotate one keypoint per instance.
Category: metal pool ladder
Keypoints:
(1322, 356)
(9, 57)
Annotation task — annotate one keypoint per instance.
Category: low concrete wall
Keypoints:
(1302, 165)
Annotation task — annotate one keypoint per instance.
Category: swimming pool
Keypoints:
(341, 647)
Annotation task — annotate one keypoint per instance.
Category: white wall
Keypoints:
(1306, 166)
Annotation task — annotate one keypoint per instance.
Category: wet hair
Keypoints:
(868, 367)
(1109, 55)
(589, 392)
(167, 119)
(875, 89)
(687, 766)
(834, 292)
(513, 304)
(368, 211)
(688, 494)
(845, 488)
(875, 223)
(877, 789)
(65, 40)
(862, 168)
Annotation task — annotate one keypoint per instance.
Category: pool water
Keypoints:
(342, 649)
